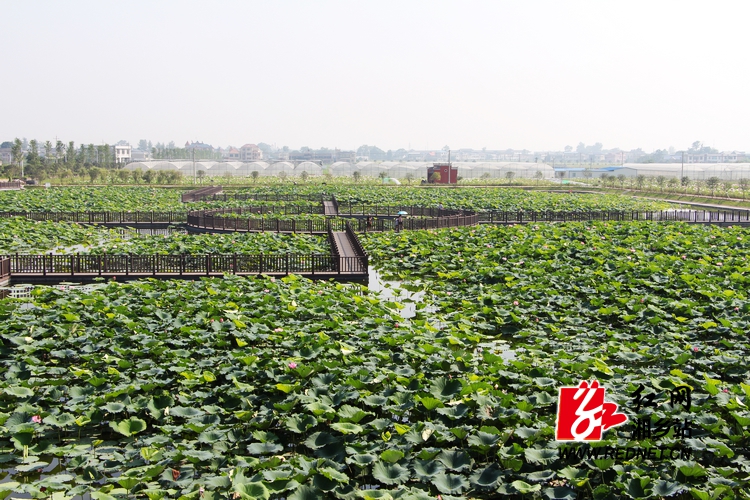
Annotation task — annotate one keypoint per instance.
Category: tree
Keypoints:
(621, 180)
(409, 177)
(509, 175)
(148, 176)
(137, 175)
(70, 153)
(304, 175)
(254, 174)
(684, 182)
(200, 174)
(660, 180)
(539, 175)
(93, 173)
(107, 154)
(16, 152)
(32, 159)
(59, 150)
(712, 184)
(672, 183)
(282, 175)
(568, 149)
(65, 173)
(640, 180)
(743, 186)
(357, 175)
(435, 177)
(47, 152)
(605, 179)
(175, 177)
(727, 186)
(143, 145)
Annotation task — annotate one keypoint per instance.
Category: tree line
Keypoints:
(95, 163)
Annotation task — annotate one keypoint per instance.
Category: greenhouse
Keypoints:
(372, 169)
(280, 167)
(246, 169)
(392, 169)
(402, 170)
(343, 169)
(694, 171)
(165, 165)
(309, 167)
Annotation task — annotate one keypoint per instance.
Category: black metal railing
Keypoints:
(259, 197)
(693, 216)
(103, 217)
(4, 268)
(181, 264)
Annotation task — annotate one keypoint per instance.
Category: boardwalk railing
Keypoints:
(103, 217)
(11, 185)
(417, 218)
(356, 244)
(364, 218)
(694, 216)
(311, 208)
(211, 222)
(4, 268)
(181, 264)
(196, 194)
(261, 197)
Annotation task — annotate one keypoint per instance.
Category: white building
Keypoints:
(250, 152)
(123, 153)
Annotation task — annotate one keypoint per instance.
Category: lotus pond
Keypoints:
(67, 199)
(286, 388)
(19, 235)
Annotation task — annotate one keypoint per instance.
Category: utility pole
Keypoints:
(682, 172)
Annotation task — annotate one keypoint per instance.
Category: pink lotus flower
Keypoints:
(515, 302)
(36, 419)
(292, 365)
(695, 349)
(396, 325)
(278, 330)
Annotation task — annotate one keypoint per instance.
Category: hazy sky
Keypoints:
(527, 74)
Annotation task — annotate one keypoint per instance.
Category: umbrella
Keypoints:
(401, 212)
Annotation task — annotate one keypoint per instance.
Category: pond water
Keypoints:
(394, 291)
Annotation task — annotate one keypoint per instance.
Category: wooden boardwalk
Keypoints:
(346, 249)
(329, 208)
(85, 268)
